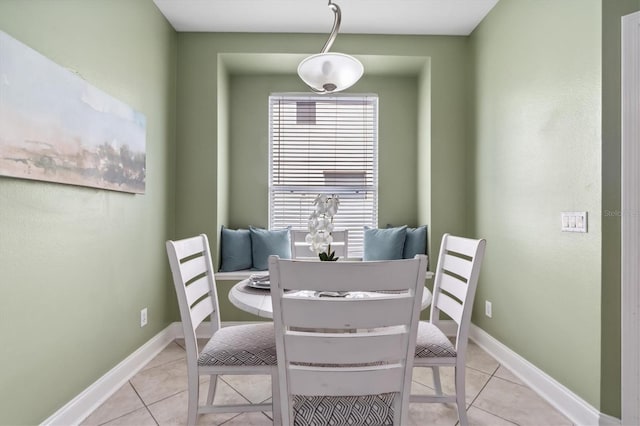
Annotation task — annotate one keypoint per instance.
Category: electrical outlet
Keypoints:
(487, 308)
(143, 317)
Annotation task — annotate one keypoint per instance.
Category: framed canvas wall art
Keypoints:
(56, 127)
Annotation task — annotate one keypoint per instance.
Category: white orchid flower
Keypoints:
(324, 224)
(309, 238)
(314, 225)
(332, 205)
(321, 209)
(321, 204)
(320, 223)
(318, 245)
(328, 239)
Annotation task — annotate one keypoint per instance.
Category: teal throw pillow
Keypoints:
(235, 250)
(416, 242)
(265, 242)
(384, 244)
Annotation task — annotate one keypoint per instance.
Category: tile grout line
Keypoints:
(132, 411)
(144, 403)
(236, 390)
(493, 375)
(483, 387)
(243, 396)
(261, 402)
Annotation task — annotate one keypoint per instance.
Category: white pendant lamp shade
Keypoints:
(330, 72)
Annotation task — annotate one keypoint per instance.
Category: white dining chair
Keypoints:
(345, 358)
(454, 288)
(242, 349)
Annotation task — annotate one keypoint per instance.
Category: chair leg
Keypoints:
(192, 405)
(213, 383)
(275, 398)
(397, 409)
(437, 384)
(460, 396)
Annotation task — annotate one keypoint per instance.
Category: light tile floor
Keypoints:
(157, 395)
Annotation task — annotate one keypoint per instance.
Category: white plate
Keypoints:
(262, 285)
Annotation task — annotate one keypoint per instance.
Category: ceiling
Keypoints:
(418, 17)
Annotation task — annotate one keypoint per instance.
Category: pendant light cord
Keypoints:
(336, 26)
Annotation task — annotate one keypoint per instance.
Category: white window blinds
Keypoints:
(324, 144)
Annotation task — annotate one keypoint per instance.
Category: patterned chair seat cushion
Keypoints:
(432, 343)
(343, 410)
(251, 344)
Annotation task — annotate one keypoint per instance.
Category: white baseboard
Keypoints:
(564, 400)
(76, 410)
(568, 403)
(607, 420)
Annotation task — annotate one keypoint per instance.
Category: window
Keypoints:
(324, 144)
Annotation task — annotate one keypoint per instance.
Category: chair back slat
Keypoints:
(457, 265)
(300, 247)
(377, 380)
(465, 246)
(188, 247)
(197, 289)
(343, 348)
(453, 286)
(346, 313)
(200, 311)
(341, 236)
(343, 276)
(363, 344)
(192, 268)
(449, 306)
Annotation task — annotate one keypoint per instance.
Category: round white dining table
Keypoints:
(258, 301)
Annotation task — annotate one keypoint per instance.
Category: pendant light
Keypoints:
(329, 72)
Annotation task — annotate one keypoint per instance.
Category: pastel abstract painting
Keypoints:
(56, 127)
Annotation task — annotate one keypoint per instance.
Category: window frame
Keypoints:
(348, 191)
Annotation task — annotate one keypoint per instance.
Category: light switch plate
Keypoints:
(573, 221)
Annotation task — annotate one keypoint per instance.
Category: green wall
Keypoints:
(537, 123)
(78, 263)
(249, 141)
